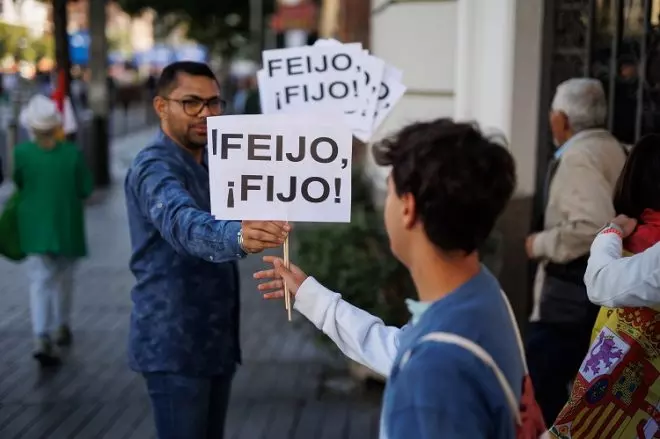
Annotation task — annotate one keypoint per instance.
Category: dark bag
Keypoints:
(10, 246)
(572, 271)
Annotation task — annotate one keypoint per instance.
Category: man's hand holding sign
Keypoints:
(260, 235)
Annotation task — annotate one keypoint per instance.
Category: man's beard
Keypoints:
(190, 144)
(194, 146)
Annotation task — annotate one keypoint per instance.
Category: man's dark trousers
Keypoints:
(189, 407)
(554, 354)
(558, 343)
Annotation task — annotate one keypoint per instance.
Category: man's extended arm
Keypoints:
(360, 335)
(614, 281)
(176, 215)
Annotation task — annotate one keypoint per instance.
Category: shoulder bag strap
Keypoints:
(514, 323)
(479, 352)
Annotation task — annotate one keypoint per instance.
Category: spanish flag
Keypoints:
(59, 96)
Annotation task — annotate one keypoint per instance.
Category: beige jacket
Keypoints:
(580, 203)
(580, 198)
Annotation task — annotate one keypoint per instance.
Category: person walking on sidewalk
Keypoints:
(53, 181)
(184, 335)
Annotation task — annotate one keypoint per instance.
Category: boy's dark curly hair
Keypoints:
(461, 180)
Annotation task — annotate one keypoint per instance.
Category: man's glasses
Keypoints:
(194, 106)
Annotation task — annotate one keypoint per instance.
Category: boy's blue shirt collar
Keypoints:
(417, 308)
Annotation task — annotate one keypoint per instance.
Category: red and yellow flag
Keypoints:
(59, 95)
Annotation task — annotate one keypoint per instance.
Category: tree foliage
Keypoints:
(219, 25)
(19, 43)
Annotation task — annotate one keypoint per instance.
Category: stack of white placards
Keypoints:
(330, 77)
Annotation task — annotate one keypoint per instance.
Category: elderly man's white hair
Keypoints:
(583, 102)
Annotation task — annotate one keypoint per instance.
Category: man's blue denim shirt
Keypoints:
(185, 314)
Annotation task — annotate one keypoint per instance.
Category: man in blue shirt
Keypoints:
(184, 326)
(447, 187)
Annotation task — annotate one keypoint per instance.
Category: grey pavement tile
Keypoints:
(309, 420)
(76, 421)
(283, 420)
(128, 422)
(335, 421)
(256, 422)
(43, 425)
(361, 422)
(18, 426)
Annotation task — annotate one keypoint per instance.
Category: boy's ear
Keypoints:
(409, 213)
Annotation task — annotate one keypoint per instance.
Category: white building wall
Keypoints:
(469, 59)
(419, 38)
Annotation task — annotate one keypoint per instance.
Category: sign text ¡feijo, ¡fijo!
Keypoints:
(268, 147)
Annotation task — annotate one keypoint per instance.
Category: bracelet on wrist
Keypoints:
(613, 230)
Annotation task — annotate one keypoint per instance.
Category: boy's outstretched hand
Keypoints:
(272, 280)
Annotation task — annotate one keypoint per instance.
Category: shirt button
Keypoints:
(210, 258)
(159, 205)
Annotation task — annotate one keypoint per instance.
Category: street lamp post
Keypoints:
(257, 25)
(98, 92)
(62, 56)
(12, 129)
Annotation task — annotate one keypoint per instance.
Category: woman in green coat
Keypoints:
(53, 181)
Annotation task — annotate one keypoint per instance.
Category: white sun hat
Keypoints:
(41, 114)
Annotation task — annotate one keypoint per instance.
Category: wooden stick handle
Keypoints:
(287, 293)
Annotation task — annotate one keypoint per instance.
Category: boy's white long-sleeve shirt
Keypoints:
(359, 335)
(614, 281)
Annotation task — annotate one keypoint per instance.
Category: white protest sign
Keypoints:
(280, 167)
(267, 106)
(373, 69)
(305, 78)
(333, 42)
(330, 78)
(391, 90)
(363, 120)
(392, 73)
(329, 42)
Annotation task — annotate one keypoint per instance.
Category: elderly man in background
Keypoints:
(578, 196)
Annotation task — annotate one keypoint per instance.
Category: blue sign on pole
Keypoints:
(191, 52)
(140, 58)
(116, 57)
(79, 47)
(160, 55)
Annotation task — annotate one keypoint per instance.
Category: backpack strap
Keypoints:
(514, 323)
(479, 352)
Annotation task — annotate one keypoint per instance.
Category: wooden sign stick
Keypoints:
(287, 293)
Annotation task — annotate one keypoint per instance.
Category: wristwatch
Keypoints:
(611, 228)
(240, 242)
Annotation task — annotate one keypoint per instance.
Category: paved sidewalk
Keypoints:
(278, 393)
